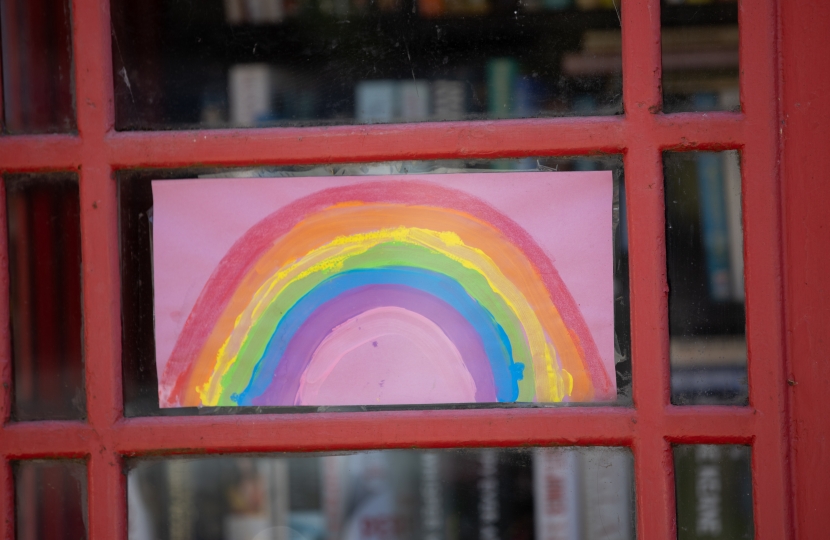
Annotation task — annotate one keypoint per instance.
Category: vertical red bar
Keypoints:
(642, 66)
(5, 318)
(6, 500)
(650, 341)
(99, 243)
(763, 264)
(805, 55)
(642, 98)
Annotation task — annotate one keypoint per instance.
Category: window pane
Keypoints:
(241, 63)
(45, 296)
(140, 381)
(714, 492)
(542, 493)
(50, 500)
(700, 55)
(704, 251)
(37, 66)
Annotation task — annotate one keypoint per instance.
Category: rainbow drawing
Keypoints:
(384, 292)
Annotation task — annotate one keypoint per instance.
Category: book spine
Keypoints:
(449, 100)
(556, 496)
(607, 488)
(501, 76)
(234, 11)
(376, 101)
(432, 522)
(249, 92)
(732, 194)
(414, 100)
(714, 492)
(714, 224)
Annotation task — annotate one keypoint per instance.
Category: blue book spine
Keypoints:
(714, 224)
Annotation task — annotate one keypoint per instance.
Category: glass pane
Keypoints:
(45, 296)
(37, 66)
(704, 251)
(700, 55)
(140, 380)
(240, 63)
(542, 493)
(50, 500)
(714, 492)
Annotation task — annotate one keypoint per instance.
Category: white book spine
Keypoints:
(249, 93)
(607, 487)
(556, 493)
(376, 101)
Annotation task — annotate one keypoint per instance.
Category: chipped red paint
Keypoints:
(649, 428)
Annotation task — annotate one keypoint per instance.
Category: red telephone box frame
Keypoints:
(641, 136)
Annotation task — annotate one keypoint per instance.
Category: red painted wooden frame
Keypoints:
(642, 135)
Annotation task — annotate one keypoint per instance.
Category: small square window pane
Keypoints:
(700, 56)
(522, 494)
(245, 63)
(714, 492)
(37, 66)
(704, 252)
(43, 215)
(50, 500)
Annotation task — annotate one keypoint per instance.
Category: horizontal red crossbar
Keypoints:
(340, 144)
(391, 429)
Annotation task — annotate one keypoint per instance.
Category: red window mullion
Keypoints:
(762, 253)
(642, 96)
(106, 483)
(6, 480)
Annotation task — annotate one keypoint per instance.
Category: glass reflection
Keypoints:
(139, 369)
(50, 500)
(704, 249)
(43, 213)
(700, 55)
(714, 492)
(242, 63)
(542, 493)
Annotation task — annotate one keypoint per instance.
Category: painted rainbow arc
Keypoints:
(462, 288)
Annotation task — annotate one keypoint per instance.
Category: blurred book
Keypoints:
(250, 94)
(414, 100)
(501, 79)
(253, 11)
(234, 11)
(607, 485)
(732, 194)
(376, 101)
(449, 100)
(556, 494)
(714, 492)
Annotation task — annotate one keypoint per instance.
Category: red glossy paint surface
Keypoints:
(641, 136)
